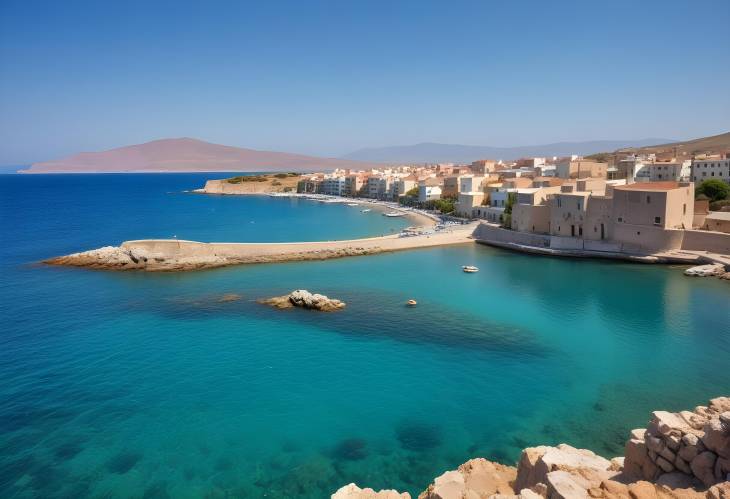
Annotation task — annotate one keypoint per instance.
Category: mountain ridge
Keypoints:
(434, 152)
(187, 154)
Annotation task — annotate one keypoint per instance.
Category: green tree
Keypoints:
(413, 192)
(507, 218)
(714, 189)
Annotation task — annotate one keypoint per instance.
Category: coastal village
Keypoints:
(631, 205)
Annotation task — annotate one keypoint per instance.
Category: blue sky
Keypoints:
(331, 77)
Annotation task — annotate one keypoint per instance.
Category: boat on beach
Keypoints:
(469, 269)
(353, 204)
(393, 214)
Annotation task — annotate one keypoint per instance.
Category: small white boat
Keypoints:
(411, 303)
(393, 214)
(353, 204)
(365, 210)
(469, 269)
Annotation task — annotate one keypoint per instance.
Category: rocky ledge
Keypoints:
(710, 270)
(124, 258)
(304, 299)
(683, 455)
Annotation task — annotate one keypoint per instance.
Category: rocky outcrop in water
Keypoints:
(304, 299)
(714, 269)
(683, 455)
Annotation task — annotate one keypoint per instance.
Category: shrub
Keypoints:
(714, 189)
(247, 178)
(722, 205)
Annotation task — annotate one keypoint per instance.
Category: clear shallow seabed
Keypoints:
(146, 385)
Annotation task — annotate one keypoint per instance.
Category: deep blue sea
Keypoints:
(130, 384)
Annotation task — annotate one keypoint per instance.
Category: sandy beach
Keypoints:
(419, 218)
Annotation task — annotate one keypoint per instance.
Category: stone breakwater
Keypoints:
(683, 455)
(160, 255)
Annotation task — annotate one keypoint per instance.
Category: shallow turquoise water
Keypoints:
(133, 384)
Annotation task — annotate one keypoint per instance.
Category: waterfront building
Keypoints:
(378, 186)
(333, 185)
(401, 185)
(709, 168)
(353, 184)
(430, 189)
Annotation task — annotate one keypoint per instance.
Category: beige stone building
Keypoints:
(580, 168)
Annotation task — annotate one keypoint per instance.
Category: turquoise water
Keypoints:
(146, 385)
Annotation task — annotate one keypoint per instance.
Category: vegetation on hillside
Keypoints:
(247, 178)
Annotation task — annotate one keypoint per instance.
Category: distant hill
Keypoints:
(188, 155)
(705, 145)
(441, 153)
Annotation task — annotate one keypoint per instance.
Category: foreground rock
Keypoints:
(695, 444)
(475, 478)
(684, 455)
(304, 299)
(352, 491)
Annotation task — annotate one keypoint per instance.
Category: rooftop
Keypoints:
(649, 186)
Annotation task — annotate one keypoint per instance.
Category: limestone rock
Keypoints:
(719, 491)
(717, 435)
(703, 467)
(304, 299)
(352, 491)
(476, 478)
(714, 269)
(537, 462)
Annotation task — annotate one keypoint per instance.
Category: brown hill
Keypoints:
(188, 155)
(688, 148)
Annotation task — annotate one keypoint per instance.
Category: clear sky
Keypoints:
(331, 77)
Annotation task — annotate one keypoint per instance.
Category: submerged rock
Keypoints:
(229, 297)
(304, 299)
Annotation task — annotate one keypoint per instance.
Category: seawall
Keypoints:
(683, 247)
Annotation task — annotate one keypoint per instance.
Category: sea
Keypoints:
(157, 385)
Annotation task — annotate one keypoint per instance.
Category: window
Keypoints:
(620, 219)
(657, 220)
(684, 209)
(648, 199)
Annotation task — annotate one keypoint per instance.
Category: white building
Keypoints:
(428, 192)
(705, 169)
(663, 171)
(333, 186)
(378, 186)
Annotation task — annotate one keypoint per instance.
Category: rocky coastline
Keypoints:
(684, 455)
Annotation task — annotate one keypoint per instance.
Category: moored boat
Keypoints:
(411, 303)
(469, 269)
